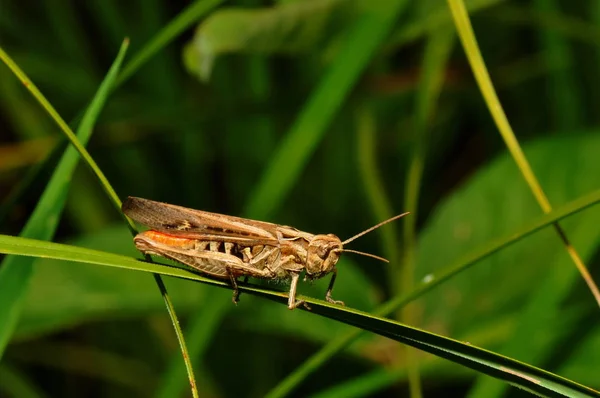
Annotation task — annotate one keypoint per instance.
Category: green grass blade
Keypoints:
(503, 368)
(363, 39)
(38, 248)
(200, 334)
(320, 358)
(14, 272)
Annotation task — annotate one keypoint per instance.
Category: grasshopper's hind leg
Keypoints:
(234, 285)
(237, 293)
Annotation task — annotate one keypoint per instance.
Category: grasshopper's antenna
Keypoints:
(367, 255)
(371, 229)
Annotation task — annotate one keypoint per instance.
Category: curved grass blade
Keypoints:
(328, 351)
(15, 272)
(514, 372)
(507, 369)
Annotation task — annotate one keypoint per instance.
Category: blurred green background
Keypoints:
(309, 113)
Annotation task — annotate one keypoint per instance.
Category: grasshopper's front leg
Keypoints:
(330, 289)
(292, 302)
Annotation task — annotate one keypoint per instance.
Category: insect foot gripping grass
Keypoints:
(229, 247)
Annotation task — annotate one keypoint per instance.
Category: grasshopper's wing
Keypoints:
(198, 224)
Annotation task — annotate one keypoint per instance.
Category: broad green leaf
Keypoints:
(493, 203)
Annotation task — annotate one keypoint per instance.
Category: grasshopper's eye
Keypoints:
(323, 252)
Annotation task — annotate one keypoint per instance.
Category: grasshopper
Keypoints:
(228, 247)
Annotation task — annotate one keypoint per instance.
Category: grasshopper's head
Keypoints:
(324, 251)
(322, 255)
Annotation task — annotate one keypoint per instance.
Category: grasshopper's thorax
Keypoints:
(322, 255)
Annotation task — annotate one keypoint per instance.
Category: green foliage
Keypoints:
(328, 115)
(289, 28)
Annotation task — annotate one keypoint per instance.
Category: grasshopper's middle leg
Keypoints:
(247, 270)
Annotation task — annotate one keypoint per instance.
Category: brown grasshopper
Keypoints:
(228, 247)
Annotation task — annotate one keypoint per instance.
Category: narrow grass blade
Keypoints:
(15, 272)
(200, 334)
(509, 370)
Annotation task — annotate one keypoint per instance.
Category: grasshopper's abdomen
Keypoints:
(217, 258)
(168, 240)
